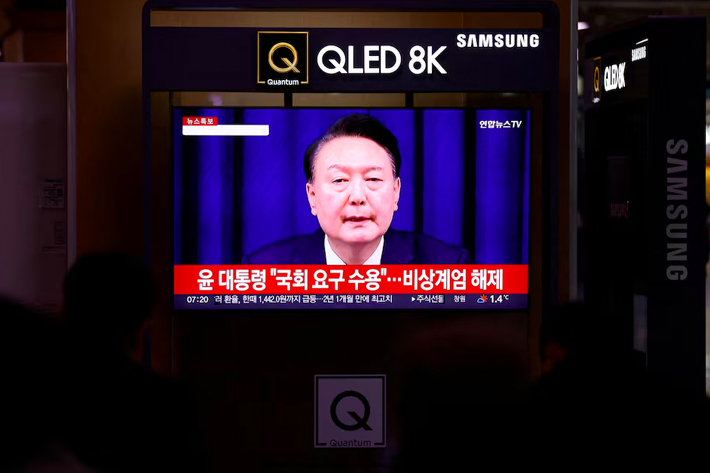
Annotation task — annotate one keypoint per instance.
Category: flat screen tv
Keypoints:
(295, 208)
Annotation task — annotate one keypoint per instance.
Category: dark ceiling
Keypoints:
(41, 4)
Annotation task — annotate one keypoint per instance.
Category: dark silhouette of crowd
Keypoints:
(467, 400)
(78, 397)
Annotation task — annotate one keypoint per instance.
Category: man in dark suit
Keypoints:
(353, 188)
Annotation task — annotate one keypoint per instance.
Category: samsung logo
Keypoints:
(638, 53)
(481, 40)
(677, 211)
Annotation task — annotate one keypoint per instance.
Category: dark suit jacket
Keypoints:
(400, 248)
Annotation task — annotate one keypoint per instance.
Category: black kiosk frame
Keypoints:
(223, 59)
(645, 156)
(186, 59)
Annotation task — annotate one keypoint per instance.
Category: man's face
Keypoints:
(354, 193)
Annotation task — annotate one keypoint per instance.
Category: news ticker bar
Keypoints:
(225, 130)
(338, 280)
(351, 301)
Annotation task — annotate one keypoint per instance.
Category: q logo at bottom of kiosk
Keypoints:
(360, 421)
(350, 411)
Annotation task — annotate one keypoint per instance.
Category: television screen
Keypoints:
(351, 208)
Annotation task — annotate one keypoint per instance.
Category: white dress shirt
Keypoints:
(332, 258)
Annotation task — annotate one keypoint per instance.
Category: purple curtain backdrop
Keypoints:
(502, 188)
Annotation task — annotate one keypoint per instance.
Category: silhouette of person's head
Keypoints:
(108, 298)
(464, 383)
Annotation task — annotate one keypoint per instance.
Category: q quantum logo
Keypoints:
(360, 421)
(597, 80)
(282, 58)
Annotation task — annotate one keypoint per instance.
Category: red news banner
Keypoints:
(323, 279)
(199, 121)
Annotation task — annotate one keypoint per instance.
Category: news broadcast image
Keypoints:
(252, 232)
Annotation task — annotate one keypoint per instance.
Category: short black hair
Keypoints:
(356, 125)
